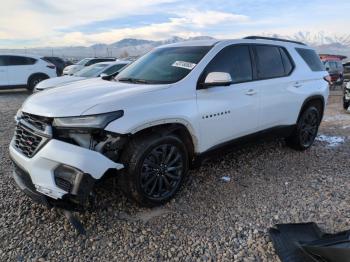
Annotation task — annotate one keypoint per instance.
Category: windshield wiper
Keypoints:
(134, 80)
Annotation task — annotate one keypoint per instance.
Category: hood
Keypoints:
(78, 97)
(56, 81)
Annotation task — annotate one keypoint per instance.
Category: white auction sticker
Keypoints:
(183, 64)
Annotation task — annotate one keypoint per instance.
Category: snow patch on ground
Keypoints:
(332, 141)
(226, 178)
(340, 117)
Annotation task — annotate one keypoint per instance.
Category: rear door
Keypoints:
(3, 71)
(277, 86)
(19, 69)
(229, 112)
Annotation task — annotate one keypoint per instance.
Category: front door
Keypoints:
(229, 112)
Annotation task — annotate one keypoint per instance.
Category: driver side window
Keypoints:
(234, 60)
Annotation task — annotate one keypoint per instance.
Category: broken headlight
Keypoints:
(90, 121)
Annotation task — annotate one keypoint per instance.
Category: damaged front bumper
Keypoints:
(59, 174)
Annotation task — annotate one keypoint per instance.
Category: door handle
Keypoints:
(297, 84)
(250, 92)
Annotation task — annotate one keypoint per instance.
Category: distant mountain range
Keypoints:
(322, 42)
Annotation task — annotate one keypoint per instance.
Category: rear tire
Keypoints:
(346, 104)
(155, 168)
(306, 129)
(34, 80)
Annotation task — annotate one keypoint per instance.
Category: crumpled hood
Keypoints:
(56, 81)
(78, 97)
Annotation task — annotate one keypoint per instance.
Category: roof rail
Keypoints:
(273, 39)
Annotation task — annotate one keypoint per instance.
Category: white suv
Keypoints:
(148, 125)
(24, 70)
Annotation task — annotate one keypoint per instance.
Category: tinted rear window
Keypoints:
(269, 62)
(20, 60)
(311, 59)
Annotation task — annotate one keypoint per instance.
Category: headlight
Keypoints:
(91, 121)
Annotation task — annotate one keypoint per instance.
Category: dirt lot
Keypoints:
(208, 220)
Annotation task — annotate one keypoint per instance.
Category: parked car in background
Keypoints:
(163, 111)
(95, 70)
(334, 67)
(346, 67)
(58, 62)
(24, 70)
(71, 69)
(346, 96)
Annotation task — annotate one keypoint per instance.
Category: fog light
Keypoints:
(66, 177)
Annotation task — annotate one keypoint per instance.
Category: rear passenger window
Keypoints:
(269, 62)
(311, 59)
(20, 60)
(288, 66)
(234, 60)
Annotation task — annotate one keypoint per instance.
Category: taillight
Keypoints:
(52, 66)
(328, 79)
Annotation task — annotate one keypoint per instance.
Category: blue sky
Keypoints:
(32, 23)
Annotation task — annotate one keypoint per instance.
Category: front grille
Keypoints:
(26, 141)
(38, 122)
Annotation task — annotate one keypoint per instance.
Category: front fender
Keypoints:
(114, 127)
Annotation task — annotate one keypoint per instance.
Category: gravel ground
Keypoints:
(210, 219)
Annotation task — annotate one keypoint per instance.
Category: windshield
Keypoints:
(164, 65)
(91, 71)
(83, 62)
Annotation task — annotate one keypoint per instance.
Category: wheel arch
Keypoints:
(178, 128)
(317, 100)
(36, 74)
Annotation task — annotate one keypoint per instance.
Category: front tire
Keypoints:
(155, 168)
(346, 104)
(306, 130)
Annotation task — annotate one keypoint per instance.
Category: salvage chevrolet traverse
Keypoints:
(147, 125)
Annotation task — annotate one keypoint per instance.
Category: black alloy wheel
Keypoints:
(308, 127)
(155, 168)
(161, 171)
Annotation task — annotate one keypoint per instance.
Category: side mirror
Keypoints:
(217, 79)
(104, 76)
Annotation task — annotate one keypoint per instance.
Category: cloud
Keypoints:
(201, 19)
(24, 19)
(186, 25)
(48, 28)
(65, 22)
